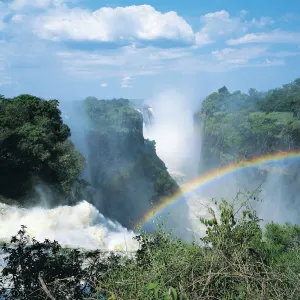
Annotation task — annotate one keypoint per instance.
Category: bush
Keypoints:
(234, 260)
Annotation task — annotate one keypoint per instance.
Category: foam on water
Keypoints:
(72, 226)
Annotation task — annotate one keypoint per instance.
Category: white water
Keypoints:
(178, 144)
(72, 226)
(85, 227)
(172, 130)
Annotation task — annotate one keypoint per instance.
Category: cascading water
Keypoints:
(178, 144)
(80, 226)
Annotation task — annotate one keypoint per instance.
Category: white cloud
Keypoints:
(5, 80)
(126, 82)
(262, 22)
(121, 61)
(251, 56)
(275, 36)
(17, 18)
(228, 59)
(19, 5)
(286, 53)
(209, 64)
(129, 62)
(216, 25)
(203, 38)
(228, 54)
(168, 54)
(113, 24)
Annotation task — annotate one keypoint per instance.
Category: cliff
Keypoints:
(123, 166)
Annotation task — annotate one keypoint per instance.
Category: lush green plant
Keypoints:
(239, 126)
(32, 264)
(234, 261)
(34, 147)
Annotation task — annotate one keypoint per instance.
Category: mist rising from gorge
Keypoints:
(173, 130)
(179, 143)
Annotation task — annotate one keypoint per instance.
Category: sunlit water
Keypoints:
(81, 226)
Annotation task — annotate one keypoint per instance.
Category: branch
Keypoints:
(45, 289)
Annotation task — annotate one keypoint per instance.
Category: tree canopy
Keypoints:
(34, 147)
(239, 126)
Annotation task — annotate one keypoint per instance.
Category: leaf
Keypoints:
(173, 292)
(156, 294)
(167, 296)
(152, 285)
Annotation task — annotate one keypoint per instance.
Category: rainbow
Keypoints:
(214, 175)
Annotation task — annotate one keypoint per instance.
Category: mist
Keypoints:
(177, 142)
(280, 200)
(73, 114)
(170, 121)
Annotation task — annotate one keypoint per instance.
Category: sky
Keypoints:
(71, 49)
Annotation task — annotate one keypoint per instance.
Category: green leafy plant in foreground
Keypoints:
(236, 259)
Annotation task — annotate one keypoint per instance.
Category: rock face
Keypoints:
(123, 166)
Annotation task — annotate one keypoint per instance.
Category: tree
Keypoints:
(252, 92)
(223, 90)
(38, 270)
(34, 146)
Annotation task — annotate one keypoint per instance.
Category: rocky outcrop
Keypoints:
(123, 166)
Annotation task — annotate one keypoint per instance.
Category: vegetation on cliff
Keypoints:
(239, 126)
(34, 148)
(124, 167)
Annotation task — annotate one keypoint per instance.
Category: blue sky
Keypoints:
(70, 49)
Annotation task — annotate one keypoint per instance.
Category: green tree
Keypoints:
(34, 147)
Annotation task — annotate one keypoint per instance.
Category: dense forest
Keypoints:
(239, 126)
(238, 258)
(35, 148)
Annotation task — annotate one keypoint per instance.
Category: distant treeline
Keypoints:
(240, 126)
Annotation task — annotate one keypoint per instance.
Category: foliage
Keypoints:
(34, 147)
(112, 114)
(286, 99)
(283, 245)
(30, 266)
(235, 261)
(239, 126)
